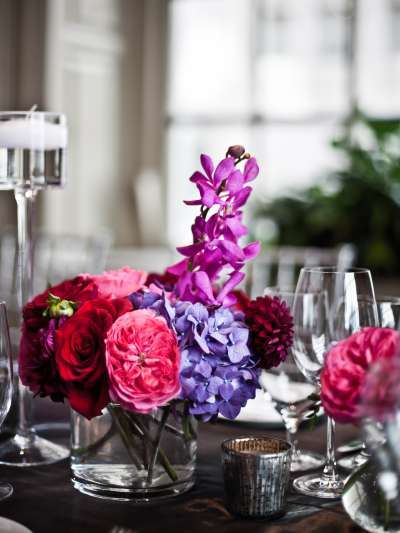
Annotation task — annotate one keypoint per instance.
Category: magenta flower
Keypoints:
(216, 232)
(346, 367)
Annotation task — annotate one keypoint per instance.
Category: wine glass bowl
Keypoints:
(290, 393)
(311, 334)
(389, 312)
(6, 381)
(329, 305)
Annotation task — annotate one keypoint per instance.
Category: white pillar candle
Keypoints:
(32, 134)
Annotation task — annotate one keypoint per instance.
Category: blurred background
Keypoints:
(310, 87)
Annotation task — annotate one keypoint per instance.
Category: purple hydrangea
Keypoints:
(218, 372)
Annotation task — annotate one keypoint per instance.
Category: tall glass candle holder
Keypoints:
(32, 158)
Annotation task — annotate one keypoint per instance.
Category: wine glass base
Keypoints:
(31, 451)
(5, 490)
(53, 427)
(305, 460)
(320, 486)
(353, 462)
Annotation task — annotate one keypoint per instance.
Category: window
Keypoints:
(277, 76)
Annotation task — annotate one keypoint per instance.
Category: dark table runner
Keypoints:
(45, 501)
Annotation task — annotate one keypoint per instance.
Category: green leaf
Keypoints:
(358, 203)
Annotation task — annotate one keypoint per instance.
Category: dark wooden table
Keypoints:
(45, 501)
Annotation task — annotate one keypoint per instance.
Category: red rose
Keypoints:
(346, 366)
(79, 290)
(80, 354)
(37, 367)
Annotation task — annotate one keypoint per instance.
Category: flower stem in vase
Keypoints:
(167, 465)
(188, 429)
(125, 432)
(164, 417)
(91, 448)
(164, 461)
(146, 458)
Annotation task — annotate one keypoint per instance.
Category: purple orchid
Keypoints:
(216, 231)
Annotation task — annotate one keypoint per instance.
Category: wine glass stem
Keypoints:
(330, 465)
(25, 199)
(293, 442)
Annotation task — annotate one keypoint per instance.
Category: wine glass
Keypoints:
(389, 312)
(389, 317)
(6, 380)
(290, 391)
(330, 305)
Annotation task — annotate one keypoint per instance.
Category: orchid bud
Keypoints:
(236, 151)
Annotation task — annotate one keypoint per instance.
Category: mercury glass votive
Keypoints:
(256, 474)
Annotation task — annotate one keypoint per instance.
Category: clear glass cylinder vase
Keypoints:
(122, 455)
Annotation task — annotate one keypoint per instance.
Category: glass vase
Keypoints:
(366, 505)
(122, 455)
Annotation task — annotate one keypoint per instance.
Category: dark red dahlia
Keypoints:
(271, 329)
(165, 281)
(242, 300)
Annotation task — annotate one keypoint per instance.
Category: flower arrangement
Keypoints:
(140, 342)
(348, 388)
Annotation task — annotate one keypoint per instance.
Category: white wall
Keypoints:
(102, 63)
(92, 58)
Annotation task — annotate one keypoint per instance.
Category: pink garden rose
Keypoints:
(119, 283)
(143, 361)
(346, 366)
